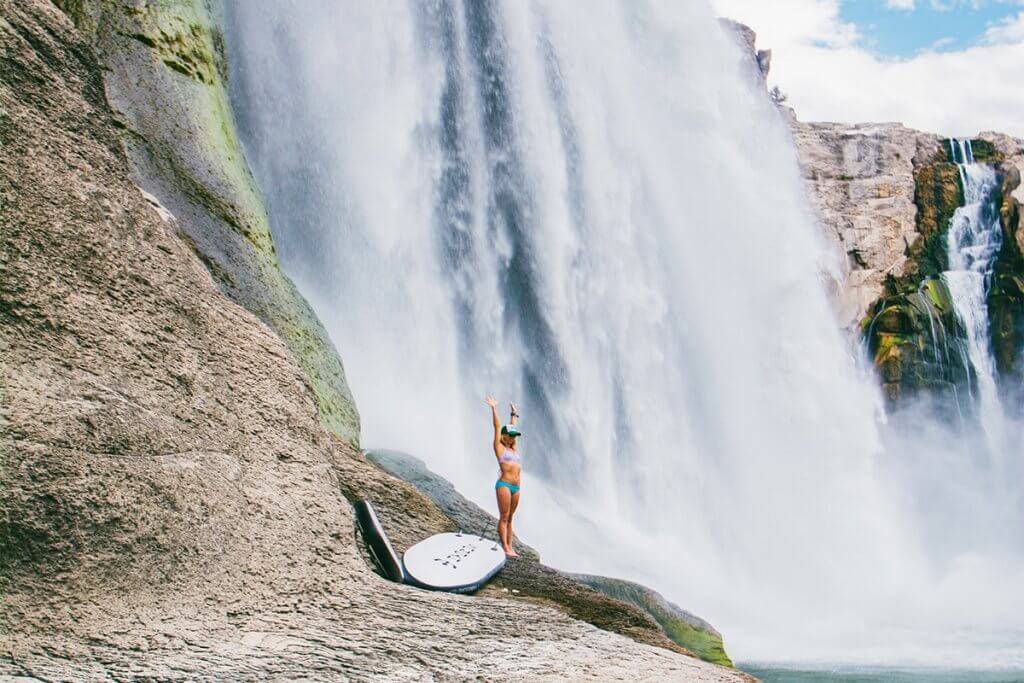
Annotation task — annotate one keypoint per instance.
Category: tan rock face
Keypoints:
(164, 76)
(860, 181)
(170, 504)
(884, 196)
(1012, 166)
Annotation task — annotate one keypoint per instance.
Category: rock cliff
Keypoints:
(164, 74)
(861, 182)
(173, 500)
(883, 195)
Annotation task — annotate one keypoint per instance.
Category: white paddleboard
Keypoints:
(454, 562)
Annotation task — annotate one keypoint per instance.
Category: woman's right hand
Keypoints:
(491, 402)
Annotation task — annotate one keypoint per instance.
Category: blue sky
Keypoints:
(904, 28)
(950, 67)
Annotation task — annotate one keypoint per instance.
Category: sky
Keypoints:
(952, 67)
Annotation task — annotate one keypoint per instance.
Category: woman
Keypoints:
(507, 486)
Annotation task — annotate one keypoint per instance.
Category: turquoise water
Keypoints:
(880, 675)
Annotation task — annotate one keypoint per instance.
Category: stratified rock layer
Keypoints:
(164, 74)
(171, 505)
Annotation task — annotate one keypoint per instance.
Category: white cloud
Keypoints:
(1010, 30)
(819, 61)
(942, 42)
(900, 4)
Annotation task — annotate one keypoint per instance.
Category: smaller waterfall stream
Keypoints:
(975, 237)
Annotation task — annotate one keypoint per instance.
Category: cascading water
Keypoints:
(593, 210)
(974, 240)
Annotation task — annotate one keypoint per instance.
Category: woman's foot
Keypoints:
(510, 553)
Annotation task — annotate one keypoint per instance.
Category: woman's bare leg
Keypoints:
(514, 503)
(504, 516)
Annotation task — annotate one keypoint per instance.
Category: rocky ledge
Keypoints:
(613, 604)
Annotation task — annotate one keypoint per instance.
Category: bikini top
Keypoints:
(509, 456)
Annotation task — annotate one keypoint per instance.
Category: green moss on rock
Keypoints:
(913, 333)
(165, 75)
(984, 152)
(937, 194)
(685, 629)
(915, 341)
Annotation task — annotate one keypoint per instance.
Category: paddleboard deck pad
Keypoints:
(377, 541)
(453, 562)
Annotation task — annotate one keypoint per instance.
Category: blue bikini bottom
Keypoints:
(512, 488)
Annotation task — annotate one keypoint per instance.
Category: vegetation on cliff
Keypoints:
(913, 334)
(913, 338)
(937, 195)
(1006, 297)
(693, 633)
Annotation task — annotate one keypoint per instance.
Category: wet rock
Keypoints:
(885, 195)
(1006, 295)
(937, 195)
(917, 344)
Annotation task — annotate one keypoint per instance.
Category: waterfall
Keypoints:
(594, 209)
(974, 239)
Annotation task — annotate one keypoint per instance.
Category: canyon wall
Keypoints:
(176, 477)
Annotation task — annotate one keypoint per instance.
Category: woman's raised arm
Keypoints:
(497, 425)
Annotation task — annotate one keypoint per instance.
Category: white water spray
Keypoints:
(592, 209)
